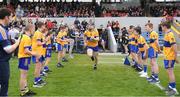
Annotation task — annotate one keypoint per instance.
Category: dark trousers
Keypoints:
(4, 78)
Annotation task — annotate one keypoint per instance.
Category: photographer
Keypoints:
(124, 38)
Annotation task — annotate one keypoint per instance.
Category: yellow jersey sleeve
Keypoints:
(39, 36)
(153, 36)
(172, 39)
(96, 34)
(60, 36)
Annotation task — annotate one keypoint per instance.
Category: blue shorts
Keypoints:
(48, 53)
(142, 55)
(24, 63)
(152, 53)
(49, 46)
(133, 48)
(95, 49)
(60, 47)
(42, 59)
(168, 65)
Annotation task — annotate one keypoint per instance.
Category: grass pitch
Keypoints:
(78, 78)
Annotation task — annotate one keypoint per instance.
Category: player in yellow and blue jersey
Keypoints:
(24, 56)
(38, 42)
(153, 51)
(133, 48)
(48, 51)
(142, 51)
(91, 38)
(62, 45)
(170, 57)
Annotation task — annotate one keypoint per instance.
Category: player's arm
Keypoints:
(157, 43)
(29, 52)
(146, 50)
(174, 47)
(60, 37)
(10, 48)
(39, 40)
(96, 38)
(27, 46)
(85, 39)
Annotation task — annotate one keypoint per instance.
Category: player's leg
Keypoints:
(155, 65)
(144, 62)
(152, 56)
(169, 66)
(60, 55)
(65, 48)
(133, 54)
(95, 54)
(71, 48)
(140, 62)
(24, 67)
(38, 80)
(155, 68)
(137, 63)
(90, 53)
(24, 90)
(23, 76)
(48, 59)
(42, 60)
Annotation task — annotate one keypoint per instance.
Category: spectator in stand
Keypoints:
(19, 11)
(76, 9)
(161, 10)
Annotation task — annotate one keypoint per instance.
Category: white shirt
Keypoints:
(13, 33)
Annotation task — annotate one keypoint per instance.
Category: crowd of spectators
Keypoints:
(158, 11)
(124, 12)
(82, 9)
(63, 9)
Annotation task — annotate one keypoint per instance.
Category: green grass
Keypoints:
(78, 79)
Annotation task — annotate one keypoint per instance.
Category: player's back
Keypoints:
(168, 51)
(153, 37)
(25, 43)
(37, 37)
(141, 43)
(132, 39)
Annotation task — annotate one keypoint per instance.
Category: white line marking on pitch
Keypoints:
(159, 86)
